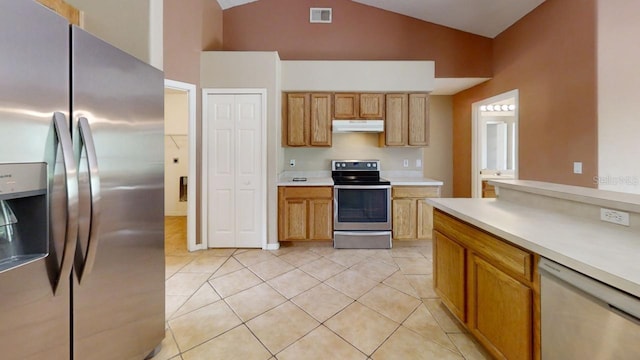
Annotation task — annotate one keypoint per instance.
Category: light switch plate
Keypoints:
(577, 167)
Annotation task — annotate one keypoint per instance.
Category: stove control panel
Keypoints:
(355, 165)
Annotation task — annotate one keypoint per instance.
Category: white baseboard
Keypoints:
(275, 246)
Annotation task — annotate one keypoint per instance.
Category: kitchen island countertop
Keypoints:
(606, 252)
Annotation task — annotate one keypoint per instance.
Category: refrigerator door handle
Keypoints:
(71, 183)
(86, 138)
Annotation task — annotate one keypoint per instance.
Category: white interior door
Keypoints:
(235, 202)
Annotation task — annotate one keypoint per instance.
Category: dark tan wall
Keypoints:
(550, 57)
(189, 28)
(358, 32)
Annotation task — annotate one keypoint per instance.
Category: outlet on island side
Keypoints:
(405, 162)
(614, 216)
(292, 163)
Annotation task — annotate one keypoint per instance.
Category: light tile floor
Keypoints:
(306, 301)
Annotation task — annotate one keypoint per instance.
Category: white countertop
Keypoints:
(607, 252)
(323, 178)
(311, 181)
(413, 181)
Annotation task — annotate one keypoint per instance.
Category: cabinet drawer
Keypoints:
(415, 191)
(509, 258)
(307, 192)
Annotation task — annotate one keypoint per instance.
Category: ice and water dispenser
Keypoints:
(23, 214)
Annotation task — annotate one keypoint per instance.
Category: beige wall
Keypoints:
(123, 23)
(618, 87)
(438, 156)
(550, 57)
(351, 146)
(190, 27)
(253, 70)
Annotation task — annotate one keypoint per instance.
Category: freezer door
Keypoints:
(118, 295)
(34, 83)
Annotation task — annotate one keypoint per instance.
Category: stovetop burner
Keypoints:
(357, 172)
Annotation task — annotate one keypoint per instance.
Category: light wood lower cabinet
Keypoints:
(490, 285)
(305, 213)
(500, 310)
(411, 215)
(449, 274)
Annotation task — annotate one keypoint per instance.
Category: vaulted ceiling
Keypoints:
(482, 17)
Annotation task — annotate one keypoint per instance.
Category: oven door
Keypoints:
(362, 207)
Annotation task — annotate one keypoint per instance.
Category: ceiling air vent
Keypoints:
(320, 15)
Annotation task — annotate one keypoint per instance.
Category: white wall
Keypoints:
(250, 69)
(176, 146)
(618, 26)
(358, 75)
(127, 25)
(176, 112)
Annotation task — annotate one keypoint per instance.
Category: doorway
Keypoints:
(234, 209)
(180, 159)
(494, 141)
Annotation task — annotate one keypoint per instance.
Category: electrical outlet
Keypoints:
(405, 163)
(614, 216)
(418, 163)
(292, 162)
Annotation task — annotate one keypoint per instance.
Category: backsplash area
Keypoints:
(352, 146)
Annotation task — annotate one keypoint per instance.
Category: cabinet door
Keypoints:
(419, 119)
(371, 106)
(449, 268)
(295, 219)
(320, 120)
(404, 218)
(297, 120)
(425, 219)
(346, 106)
(321, 219)
(500, 311)
(396, 121)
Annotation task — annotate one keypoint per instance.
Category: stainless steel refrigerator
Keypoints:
(81, 193)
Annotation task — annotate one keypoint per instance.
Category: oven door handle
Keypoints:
(362, 187)
(360, 233)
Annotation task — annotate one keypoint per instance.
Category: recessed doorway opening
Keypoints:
(180, 163)
(494, 141)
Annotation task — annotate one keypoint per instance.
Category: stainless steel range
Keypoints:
(362, 205)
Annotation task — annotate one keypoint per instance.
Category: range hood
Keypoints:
(363, 126)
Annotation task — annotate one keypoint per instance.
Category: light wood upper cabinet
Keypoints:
(371, 106)
(306, 119)
(396, 124)
(418, 120)
(305, 213)
(296, 113)
(407, 120)
(320, 132)
(491, 285)
(347, 106)
(350, 106)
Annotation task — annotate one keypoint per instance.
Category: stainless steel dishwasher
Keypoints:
(583, 318)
